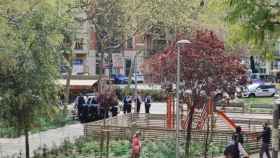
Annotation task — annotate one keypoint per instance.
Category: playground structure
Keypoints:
(208, 111)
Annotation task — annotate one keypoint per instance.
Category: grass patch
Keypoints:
(258, 101)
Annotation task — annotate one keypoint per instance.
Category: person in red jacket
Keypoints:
(136, 145)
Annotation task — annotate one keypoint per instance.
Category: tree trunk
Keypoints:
(206, 140)
(103, 132)
(111, 64)
(107, 144)
(189, 129)
(27, 152)
(100, 72)
(67, 88)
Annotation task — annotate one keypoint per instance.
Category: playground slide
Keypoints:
(227, 120)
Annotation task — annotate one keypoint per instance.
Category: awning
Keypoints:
(77, 84)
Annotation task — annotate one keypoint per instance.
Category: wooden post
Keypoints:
(275, 131)
(170, 112)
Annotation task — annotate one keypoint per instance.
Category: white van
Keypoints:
(260, 90)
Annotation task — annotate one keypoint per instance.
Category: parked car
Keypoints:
(260, 90)
(92, 101)
(139, 77)
(120, 79)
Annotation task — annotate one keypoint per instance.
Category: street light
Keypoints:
(178, 43)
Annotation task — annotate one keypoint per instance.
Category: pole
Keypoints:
(275, 131)
(135, 75)
(177, 103)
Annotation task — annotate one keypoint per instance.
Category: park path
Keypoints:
(49, 138)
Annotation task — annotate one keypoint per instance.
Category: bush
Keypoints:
(89, 147)
(160, 149)
(120, 148)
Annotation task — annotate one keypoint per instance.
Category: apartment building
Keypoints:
(84, 49)
(86, 58)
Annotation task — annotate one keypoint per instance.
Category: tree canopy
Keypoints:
(259, 21)
(205, 66)
(31, 36)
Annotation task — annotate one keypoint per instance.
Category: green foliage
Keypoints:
(29, 60)
(259, 21)
(216, 149)
(164, 149)
(120, 148)
(89, 147)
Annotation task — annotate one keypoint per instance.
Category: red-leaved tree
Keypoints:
(205, 69)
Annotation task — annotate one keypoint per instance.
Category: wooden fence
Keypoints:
(153, 128)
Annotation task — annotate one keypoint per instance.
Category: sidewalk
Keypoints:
(51, 137)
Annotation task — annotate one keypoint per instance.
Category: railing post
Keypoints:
(275, 130)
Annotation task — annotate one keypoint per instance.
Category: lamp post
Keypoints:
(275, 129)
(178, 43)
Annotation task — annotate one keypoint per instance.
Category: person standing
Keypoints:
(266, 139)
(125, 104)
(136, 145)
(129, 104)
(235, 149)
(138, 103)
(148, 101)
(238, 133)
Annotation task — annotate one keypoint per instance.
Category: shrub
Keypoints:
(120, 148)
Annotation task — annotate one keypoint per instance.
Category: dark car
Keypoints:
(120, 79)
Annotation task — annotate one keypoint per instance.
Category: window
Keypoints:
(79, 44)
(266, 86)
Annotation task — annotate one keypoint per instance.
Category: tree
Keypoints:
(115, 21)
(259, 21)
(107, 98)
(31, 35)
(205, 68)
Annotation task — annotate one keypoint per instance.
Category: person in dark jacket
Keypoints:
(129, 104)
(232, 150)
(238, 133)
(114, 110)
(266, 139)
(125, 104)
(235, 149)
(138, 103)
(148, 101)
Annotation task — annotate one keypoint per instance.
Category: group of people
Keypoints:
(127, 103)
(89, 110)
(235, 148)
